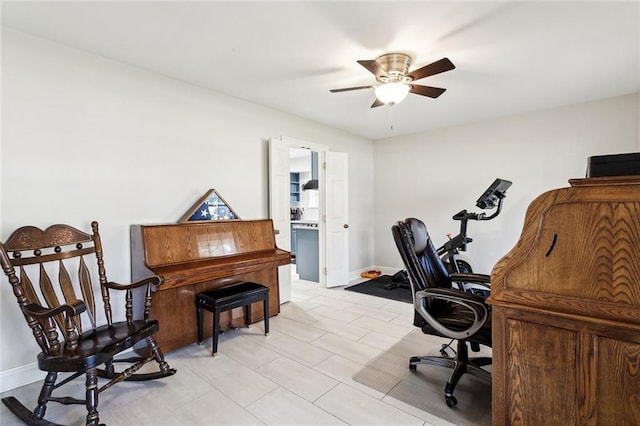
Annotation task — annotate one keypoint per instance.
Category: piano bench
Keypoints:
(229, 297)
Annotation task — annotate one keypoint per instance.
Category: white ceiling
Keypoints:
(510, 57)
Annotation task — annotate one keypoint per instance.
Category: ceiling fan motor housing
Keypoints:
(397, 67)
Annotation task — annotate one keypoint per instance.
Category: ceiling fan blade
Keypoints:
(433, 68)
(373, 67)
(432, 92)
(346, 89)
(377, 103)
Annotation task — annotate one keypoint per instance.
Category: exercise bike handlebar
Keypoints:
(491, 198)
(464, 215)
(459, 242)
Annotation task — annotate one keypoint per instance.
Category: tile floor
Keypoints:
(298, 375)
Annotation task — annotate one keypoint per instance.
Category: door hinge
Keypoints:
(324, 270)
(324, 165)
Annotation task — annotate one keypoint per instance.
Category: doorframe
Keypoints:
(322, 236)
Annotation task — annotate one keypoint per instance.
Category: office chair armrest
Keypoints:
(473, 303)
(152, 279)
(472, 282)
(471, 278)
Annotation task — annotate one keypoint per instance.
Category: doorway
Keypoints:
(305, 215)
(332, 208)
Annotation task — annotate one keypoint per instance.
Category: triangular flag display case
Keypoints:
(211, 206)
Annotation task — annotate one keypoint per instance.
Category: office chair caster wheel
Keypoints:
(413, 362)
(443, 351)
(451, 401)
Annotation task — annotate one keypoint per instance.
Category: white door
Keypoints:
(337, 219)
(279, 212)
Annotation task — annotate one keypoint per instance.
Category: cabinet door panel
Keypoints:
(618, 382)
(541, 374)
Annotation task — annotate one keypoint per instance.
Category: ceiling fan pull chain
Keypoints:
(390, 122)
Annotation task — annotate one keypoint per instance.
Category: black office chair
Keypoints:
(441, 309)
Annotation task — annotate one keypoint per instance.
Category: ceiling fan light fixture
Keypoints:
(392, 93)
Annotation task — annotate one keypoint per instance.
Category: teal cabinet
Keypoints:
(294, 184)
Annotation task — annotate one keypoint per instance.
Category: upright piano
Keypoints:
(198, 256)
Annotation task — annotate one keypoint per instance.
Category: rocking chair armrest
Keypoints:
(151, 279)
(69, 309)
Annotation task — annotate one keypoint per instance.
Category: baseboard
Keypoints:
(20, 376)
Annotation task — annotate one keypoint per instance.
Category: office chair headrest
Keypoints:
(419, 234)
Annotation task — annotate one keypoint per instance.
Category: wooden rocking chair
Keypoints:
(66, 345)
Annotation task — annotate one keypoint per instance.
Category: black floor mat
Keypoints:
(376, 287)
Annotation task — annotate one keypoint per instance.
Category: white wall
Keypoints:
(87, 138)
(436, 174)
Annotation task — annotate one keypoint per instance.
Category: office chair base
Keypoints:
(460, 367)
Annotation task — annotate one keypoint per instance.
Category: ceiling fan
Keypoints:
(395, 80)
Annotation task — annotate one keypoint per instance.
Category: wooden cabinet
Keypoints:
(566, 310)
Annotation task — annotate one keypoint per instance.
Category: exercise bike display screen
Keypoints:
(493, 194)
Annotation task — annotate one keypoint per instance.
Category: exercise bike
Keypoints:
(449, 252)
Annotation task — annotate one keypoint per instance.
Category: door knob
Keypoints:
(345, 226)
(276, 231)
